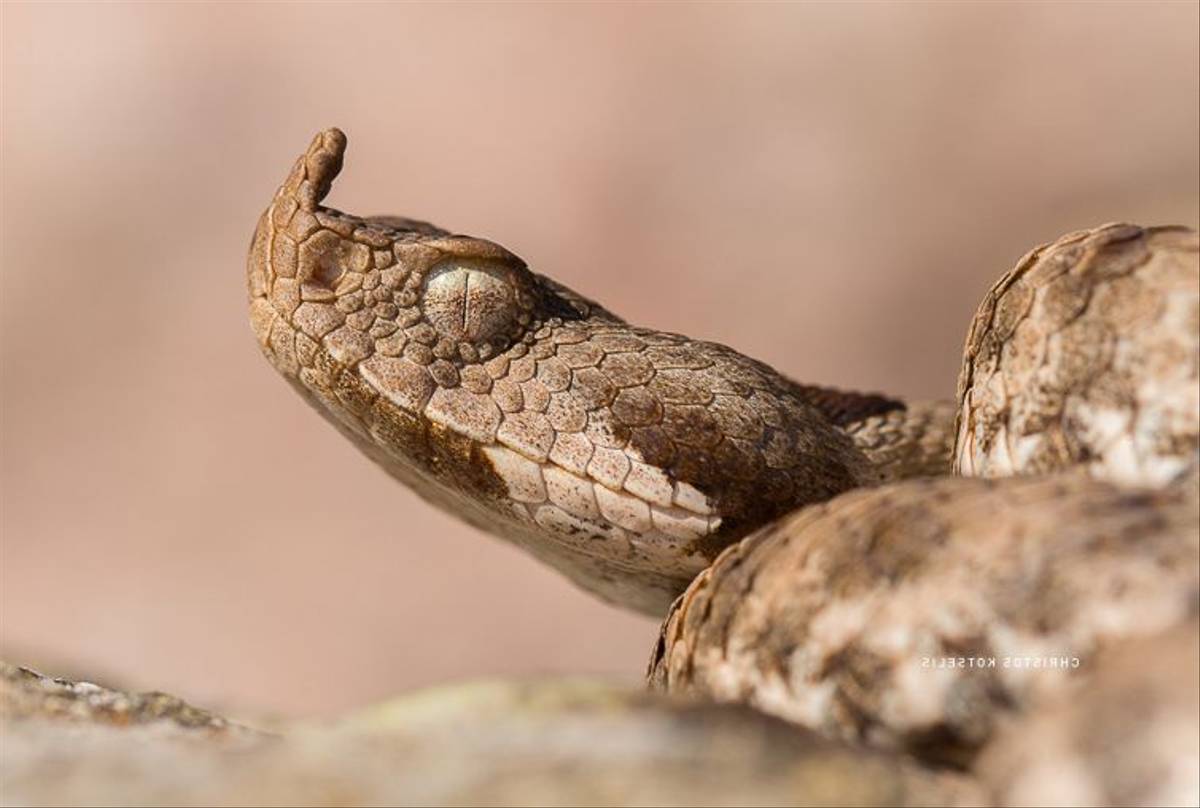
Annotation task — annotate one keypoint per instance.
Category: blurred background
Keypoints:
(830, 188)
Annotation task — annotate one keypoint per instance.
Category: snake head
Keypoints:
(384, 285)
(626, 457)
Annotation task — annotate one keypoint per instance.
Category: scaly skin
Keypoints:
(836, 617)
(627, 458)
(1126, 737)
(1087, 354)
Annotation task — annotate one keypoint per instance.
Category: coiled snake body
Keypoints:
(627, 458)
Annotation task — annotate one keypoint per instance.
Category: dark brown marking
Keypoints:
(843, 407)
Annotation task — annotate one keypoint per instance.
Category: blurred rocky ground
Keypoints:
(1126, 735)
(560, 742)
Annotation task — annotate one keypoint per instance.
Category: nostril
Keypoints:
(323, 259)
(328, 270)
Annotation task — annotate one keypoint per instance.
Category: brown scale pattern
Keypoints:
(839, 617)
(1087, 354)
(1127, 736)
(626, 457)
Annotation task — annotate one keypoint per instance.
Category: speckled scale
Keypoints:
(826, 617)
(1086, 353)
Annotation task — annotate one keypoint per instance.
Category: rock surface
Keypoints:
(565, 742)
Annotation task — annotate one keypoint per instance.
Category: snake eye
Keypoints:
(470, 302)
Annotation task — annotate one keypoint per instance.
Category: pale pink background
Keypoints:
(830, 188)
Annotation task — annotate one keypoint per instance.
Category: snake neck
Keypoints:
(900, 439)
(914, 441)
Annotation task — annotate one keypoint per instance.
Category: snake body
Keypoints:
(625, 457)
(850, 616)
(1087, 355)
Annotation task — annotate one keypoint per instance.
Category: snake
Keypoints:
(918, 616)
(625, 457)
